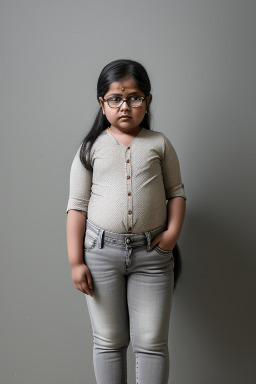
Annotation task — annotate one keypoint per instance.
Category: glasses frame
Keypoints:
(123, 100)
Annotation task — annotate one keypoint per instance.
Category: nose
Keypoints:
(125, 105)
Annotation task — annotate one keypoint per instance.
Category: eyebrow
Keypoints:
(120, 94)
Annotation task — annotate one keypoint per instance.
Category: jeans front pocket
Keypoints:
(163, 251)
(164, 256)
(89, 241)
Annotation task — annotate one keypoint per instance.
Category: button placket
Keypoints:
(129, 187)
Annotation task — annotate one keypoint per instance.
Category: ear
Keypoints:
(102, 105)
(148, 99)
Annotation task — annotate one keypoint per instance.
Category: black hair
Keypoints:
(177, 264)
(112, 72)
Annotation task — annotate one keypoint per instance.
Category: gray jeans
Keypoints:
(132, 298)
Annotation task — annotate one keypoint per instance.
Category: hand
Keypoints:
(82, 278)
(165, 240)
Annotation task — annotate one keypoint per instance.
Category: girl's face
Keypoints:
(136, 114)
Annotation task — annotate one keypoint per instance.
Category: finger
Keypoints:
(89, 279)
(81, 288)
(77, 286)
(86, 289)
(154, 243)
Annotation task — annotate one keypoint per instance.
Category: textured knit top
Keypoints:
(128, 188)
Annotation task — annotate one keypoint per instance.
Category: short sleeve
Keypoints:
(171, 172)
(79, 186)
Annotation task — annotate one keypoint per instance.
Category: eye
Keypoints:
(115, 98)
(135, 98)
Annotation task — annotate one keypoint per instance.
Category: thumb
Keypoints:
(156, 240)
(153, 243)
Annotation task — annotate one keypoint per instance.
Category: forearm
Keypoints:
(176, 208)
(76, 224)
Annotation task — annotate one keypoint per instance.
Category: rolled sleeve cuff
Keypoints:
(176, 191)
(77, 204)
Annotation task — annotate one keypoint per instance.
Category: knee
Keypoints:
(149, 341)
(111, 339)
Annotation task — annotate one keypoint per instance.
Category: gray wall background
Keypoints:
(200, 56)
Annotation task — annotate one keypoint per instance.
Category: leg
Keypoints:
(149, 294)
(108, 314)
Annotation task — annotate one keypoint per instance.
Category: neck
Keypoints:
(133, 131)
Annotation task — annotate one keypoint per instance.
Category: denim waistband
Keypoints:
(123, 239)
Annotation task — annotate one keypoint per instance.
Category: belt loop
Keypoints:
(148, 236)
(100, 238)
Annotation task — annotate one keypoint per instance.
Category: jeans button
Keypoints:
(128, 240)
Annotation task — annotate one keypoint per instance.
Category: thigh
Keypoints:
(149, 297)
(108, 306)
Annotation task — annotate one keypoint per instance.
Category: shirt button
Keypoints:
(128, 177)
(128, 147)
(129, 229)
(130, 212)
(129, 193)
(127, 161)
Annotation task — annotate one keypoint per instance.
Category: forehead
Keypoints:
(128, 83)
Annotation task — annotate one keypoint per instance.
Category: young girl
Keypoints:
(125, 210)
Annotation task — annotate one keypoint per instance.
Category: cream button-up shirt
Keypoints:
(129, 186)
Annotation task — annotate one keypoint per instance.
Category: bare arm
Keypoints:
(167, 239)
(75, 235)
(176, 196)
(81, 275)
(176, 209)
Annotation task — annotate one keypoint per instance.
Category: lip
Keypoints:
(125, 117)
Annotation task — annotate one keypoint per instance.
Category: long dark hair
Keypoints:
(116, 71)
(177, 264)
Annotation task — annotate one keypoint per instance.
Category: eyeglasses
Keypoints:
(117, 101)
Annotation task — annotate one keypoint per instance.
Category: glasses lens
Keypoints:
(135, 101)
(115, 102)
